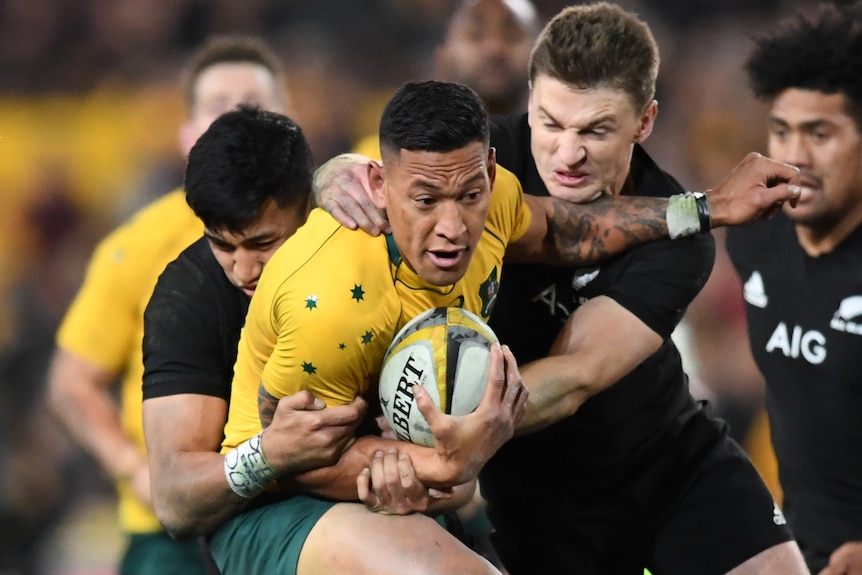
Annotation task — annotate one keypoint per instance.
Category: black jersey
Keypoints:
(624, 424)
(805, 328)
(192, 326)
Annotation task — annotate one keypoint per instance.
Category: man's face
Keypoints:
(243, 255)
(582, 140)
(221, 88)
(437, 204)
(487, 47)
(813, 131)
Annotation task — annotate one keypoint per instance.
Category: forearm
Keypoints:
(556, 391)
(339, 481)
(191, 494)
(600, 344)
(588, 233)
(79, 397)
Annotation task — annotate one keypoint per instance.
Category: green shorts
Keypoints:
(268, 538)
(158, 554)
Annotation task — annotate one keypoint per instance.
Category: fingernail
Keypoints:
(795, 190)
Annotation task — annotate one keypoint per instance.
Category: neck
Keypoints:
(819, 240)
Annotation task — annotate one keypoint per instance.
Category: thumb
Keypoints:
(304, 400)
(427, 408)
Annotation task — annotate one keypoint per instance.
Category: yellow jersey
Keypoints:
(330, 300)
(105, 323)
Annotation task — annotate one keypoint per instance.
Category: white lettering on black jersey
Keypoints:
(548, 296)
(810, 344)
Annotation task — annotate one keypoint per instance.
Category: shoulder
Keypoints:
(166, 224)
(318, 256)
(320, 243)
(194, 268)
(509, 216)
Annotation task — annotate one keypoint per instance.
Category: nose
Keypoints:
(246, 267)
(494, 44)
(571, 149)
(791, 149)
(450, 223)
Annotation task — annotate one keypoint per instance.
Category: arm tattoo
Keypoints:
(581, 234)
(266, 405)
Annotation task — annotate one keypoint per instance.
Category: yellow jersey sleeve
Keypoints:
(508, 216)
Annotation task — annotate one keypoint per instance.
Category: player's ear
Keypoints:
(376, 179)
(492, 165)
(646, 122)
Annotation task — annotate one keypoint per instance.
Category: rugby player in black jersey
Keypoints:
(802, 279)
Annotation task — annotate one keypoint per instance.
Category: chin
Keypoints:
(441, 278)
(573, 195)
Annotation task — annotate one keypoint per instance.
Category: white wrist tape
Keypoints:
(687, 214)
(247, 470)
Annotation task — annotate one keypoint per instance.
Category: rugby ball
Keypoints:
(446, 350)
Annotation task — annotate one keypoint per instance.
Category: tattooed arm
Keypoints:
(575, 234)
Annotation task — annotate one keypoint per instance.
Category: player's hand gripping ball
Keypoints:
(446, 350)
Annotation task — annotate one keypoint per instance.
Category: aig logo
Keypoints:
(811, 345)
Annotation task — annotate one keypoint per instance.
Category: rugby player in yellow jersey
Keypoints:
(330, 300)
(99, 342)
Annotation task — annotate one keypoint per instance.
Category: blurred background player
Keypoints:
(485, 45)
(801, 277)
(98, 345)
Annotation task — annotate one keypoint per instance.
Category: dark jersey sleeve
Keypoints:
(659, 280)
(189, 341)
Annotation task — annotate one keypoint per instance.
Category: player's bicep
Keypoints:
(175, 424)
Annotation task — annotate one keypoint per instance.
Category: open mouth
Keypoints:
(445, 259)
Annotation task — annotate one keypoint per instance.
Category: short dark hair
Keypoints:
(245, 158)
(598, 45)
(230, 49)
(433, 116)
(822, 53)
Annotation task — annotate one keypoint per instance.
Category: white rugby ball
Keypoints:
(446, 350)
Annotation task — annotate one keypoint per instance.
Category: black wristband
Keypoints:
(703, 216)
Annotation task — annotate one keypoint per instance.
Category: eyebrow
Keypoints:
(601, 119)
(266, 235)
(434, 187)
(805, 126)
